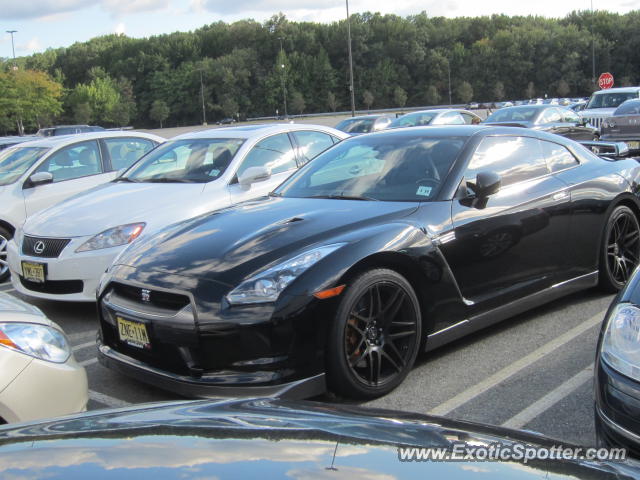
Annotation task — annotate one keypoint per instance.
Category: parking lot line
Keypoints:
(500, 376)
(107, 400)
(86, 363)
(75, 348)
(76, 337)
(550, 399)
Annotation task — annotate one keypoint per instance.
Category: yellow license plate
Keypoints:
(133, 333)
(633, 145)
(34, 272)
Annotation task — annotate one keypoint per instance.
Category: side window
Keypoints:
(515, 159)
(275, 153)
(551, 115)
(124, 152)
(311, 144)
(451, 118)
(75, 161)
(470, 119)
(558, 157)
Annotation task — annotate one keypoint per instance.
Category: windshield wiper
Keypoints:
(124, 179)
(346, 197)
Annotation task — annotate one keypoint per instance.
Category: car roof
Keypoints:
(61, 140)
(618, 90)
(252, 131)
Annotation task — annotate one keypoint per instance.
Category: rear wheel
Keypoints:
(620, 251)
(375, 336)
(5, 236)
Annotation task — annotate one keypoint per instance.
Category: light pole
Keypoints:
(284, 79)
(353, 93)
(13, 48)
(449, 76)
(204, 114)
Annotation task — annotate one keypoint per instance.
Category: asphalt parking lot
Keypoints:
(533, 371)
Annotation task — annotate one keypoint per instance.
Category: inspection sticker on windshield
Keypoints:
(424, 191)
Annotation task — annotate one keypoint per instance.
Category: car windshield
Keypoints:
(609, 100)
(199, 160)
(630, 107)
(413, 119)
(17, 160)
(513, 114)
(388, 168)
(356, 125)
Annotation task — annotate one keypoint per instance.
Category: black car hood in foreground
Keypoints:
(228, 244)
(260, 438)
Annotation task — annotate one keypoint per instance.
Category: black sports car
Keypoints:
(624, 125)
(276, 439)
(549, 118)
(385, 245)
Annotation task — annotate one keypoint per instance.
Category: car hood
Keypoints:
(255, 438)
(119, 203)
(597, 112)
(9, 306)
(235, 241)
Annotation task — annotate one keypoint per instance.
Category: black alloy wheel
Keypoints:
(5, 236)
(621, 249)
(375, 337)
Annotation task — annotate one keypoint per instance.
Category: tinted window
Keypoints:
(630, 107)
(356, 125)
(275, 153)
(515, 159)
(310, 144)
(124, 152)
(470, 119)
(569, 116)
(558, 157)
(75, 161)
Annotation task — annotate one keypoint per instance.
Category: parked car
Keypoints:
(277, 439)
(385, 244)
(577, 106)
(67, 130)
(624, 125)
(35, 175)
(548, 118)
(617, 370)
(6, 142)
(189, 175)
(226, 121)
(364, 123)
(603, 103)
(443, 116)
(40, 377)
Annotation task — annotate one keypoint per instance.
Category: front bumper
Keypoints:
(71, 277)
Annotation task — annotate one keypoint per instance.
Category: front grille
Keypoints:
(43, 247)
(150, 298)
(595, 121)
(55, 287)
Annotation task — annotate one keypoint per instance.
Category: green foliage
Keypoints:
(367, 98)
(400, 97)
(159, 111)
(297, 103)
(465, 92)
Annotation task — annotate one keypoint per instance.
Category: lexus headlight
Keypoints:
(267, 286)
(39, 341)
(114, 237)
(621, 342)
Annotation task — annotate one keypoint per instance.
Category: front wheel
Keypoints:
(5, 236)
(620, 251)
(375, 336)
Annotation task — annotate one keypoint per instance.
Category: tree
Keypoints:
(297, 102)
(332, 103)
(367, 98)
(400, 96)
(82, 113)
(563, 88)
(432, 97)
(465, 92)
(498, 91)
(159, 111)
(530, 91)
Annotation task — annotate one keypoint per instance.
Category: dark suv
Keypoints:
(67, 130)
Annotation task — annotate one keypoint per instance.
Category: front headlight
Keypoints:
(621, 342)
(39, 341)
(267, 286)
(114, 237)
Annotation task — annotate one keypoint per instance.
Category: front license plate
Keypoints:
(34, 272)
(633, 145)
(133, 333)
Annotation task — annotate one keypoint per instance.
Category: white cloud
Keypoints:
(11, 9)
(119, 8)
(120, 29)
(32, 45)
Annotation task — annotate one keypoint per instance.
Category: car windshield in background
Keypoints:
(186, 161)
(630, 107)
(413, 120)
(389, 168)
(514, 114)
(359, 125)
(15, 161)
(609, 100)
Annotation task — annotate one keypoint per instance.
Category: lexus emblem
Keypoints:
(145, 295)
(39, 247)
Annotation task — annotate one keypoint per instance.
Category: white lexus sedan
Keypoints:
(61, 253)
(39, 375)
(38, 174)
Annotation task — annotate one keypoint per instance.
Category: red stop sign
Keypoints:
(605, 81)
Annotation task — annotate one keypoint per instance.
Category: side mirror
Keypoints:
(40, 178)
(253, 175)
(487, 183)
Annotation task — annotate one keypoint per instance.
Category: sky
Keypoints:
(43, 24)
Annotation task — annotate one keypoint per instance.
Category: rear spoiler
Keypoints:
(607, 149)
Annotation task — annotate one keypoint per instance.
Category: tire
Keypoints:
(375, 336)
(620, 249)
(5, 236)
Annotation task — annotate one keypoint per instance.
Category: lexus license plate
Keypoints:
(34, 272)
